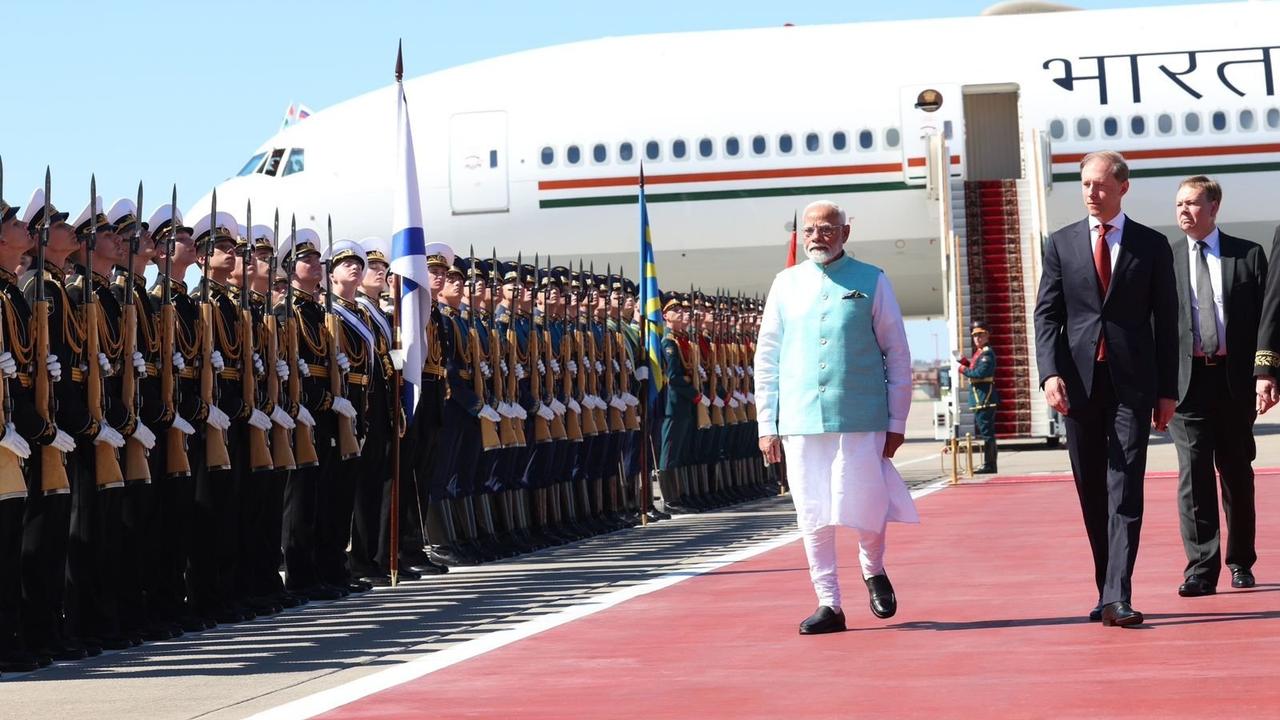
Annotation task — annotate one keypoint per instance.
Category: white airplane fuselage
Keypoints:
(722, 221)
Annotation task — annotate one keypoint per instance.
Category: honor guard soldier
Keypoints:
(681, 399)
(182, 447)
(983, 397)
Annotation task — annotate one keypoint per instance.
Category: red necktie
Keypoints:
(1102, 264)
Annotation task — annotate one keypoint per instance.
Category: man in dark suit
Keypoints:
(1106, 338)
(1220, 286)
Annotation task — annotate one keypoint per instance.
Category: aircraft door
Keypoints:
(930, 110)
(478, 162)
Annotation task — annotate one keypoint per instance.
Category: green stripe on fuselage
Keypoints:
(1184, 171)
(726, 194)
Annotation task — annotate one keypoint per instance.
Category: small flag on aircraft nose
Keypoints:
(650, 302)
(791, 246)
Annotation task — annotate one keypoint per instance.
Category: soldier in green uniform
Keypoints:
(678, 420)
(983, 398)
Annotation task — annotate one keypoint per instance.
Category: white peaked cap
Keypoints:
(343, 249)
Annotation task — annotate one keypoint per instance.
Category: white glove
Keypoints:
(104, 363)
(54, 367)
(751, 398)
(215, 359)
(705, 401)
(343, 407)
(555, 367)
(739, 396)
(303, 369)
(557, 407)
(140, 365)
(282, 370)
(630, 400)
(616, 366)
(8, 367)
(573, 368)
(485, 369)
(733, 402)
(617, 404)
(257, 364)
(304, 417)
(281, 418)
(502, 363)
(12, 440)
(542, 367)
(599, 367)
(629, 364)
(183, 426)
(741, 372)
(718, 370)
(520, 373)
(505, 410)
(143, 434)
(259, 419)
(179, 362)
(63, 442)
(344, 363)
(489, 414)
(218, 419)
(718, 403)
(642, 373)
(520, 412)
(574, 406)
(545, 412)
(107, 435)
(751, 371)
(702, 372)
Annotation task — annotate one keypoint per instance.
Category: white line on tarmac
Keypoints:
(346, 693)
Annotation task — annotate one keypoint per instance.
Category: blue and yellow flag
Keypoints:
(650, 303)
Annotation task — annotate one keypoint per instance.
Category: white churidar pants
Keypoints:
(844, 479)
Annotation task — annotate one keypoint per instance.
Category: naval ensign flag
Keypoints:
(409, 254)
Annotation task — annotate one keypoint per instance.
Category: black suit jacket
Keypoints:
(1267, 360)
(1138, 317)
(1244, 276)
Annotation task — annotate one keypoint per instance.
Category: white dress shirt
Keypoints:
(1213, 258)
(1113, 236)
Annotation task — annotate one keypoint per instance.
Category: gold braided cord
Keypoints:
(228, 342)
(15, 334)
(317, 344)
(1267, 358)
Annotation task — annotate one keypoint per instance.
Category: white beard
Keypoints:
(822, 256)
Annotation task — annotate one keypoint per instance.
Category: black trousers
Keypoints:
(1107, 443)
(137, 508)
(45, 521)
(11, 574)
(1212, 429)
(95, 552)
(167, 531)
(298, 532)
(372, 500)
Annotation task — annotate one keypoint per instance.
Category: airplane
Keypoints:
(900, 122)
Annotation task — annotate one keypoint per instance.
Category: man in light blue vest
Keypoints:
(833, 387)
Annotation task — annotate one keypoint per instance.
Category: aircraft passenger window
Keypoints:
(705, 148)
(785, 144)
(839, 141)
(1191, 122)
(947, 129)
(1273, 118)
(548, 156)
(252, 165)
(1164, 124)
(297, 162)
(1246, 120)
(1110, 126)
(272, 165)
(599, 154)
(626, 153)
(892, 137)
(759, 145)
(1057, 129)
(1137, 126)
(732, 147)
(572, 155)
(1084, 128)
(678, 149)
(811, 142)
(1219, 121)
(866, 139)
(652, 150)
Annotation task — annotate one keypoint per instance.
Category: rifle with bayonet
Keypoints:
(630, 417)
(506, 428)
(282, 457)
(541, 426)
(572, 418)
(53, 470)
(557, 427)
(259, 451)
(107, 460)
(348, 444)
(136, 466)
(488, 428)
(175, 459)
(304, 443)
(593, 356)
(513, 354)
(611, 365)
(12, 482)
(581, 332)
(702, 413)
(215, 439)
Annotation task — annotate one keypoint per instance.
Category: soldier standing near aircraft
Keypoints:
(983, 398)
(680, 401)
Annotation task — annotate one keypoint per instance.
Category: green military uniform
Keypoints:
(983, 398)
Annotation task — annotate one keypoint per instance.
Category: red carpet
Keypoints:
(993, 591)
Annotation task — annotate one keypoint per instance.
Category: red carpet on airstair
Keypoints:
(993, 591)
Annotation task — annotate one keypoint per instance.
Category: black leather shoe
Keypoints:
(883, 602)
(404, 573)
(322, 592)
(1120, 614)
(1242, 578)
(1196, 586)
(17, 661)
(1095, 615)
(823, 620)
(374, 581)
(429, 568)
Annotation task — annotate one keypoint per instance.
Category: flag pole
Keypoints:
(397, 412)
(645, 492)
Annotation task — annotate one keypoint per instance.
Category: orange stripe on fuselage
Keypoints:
(1179, 152)
(721, 176)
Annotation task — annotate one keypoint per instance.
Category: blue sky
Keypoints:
(183, 91)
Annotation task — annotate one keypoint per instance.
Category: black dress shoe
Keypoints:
(1196, 586)
(18, 661)
(1095, 615)
(428, 568)
(322, 592)
(118, 642)
(1242, 578)
(63, 653)
(823, 620)
(359, 586)
(1120, 614)
(374, 581)
(404, 573)
(192, 623)
(883, 602)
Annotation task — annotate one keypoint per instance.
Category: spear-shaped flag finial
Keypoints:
(399, 60)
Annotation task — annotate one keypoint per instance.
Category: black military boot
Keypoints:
(989, 452)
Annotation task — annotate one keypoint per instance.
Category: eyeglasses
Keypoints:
(826, 231)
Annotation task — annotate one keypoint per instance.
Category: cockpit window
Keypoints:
(273, 163)
(252, 165)
(296, 163)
